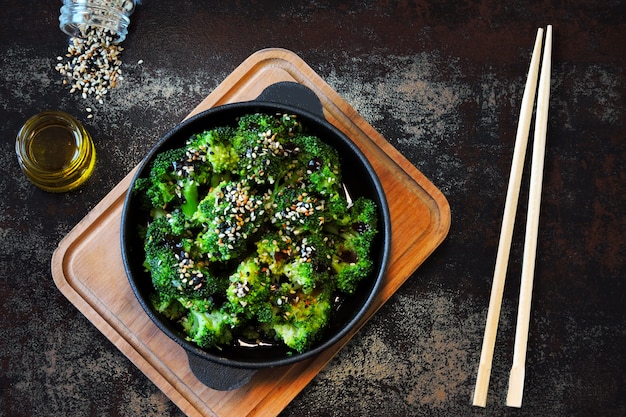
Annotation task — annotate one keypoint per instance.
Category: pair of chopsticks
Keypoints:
(517, 374)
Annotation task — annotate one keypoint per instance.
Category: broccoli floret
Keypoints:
(310, 266)
(179, 223)
(318, 166)
(300, 318)
(275, 249)
(338, 211)
(208, 328)
(172, 179)
(249, 290)
(168, 306)
(297, 211)
(160, 248)
(303, 274)
(215, 147)
(256, 122)
(160, 185)
(197, 280)
(203, 305)
(282, 124)
(362, 216)
(353, 236)
(229, 214)
(171, 265)
(264, 145)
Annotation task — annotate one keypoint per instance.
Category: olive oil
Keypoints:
(55, 151)
(53, 148)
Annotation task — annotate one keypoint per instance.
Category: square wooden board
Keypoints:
(87, 265)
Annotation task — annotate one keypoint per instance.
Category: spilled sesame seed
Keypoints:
(93, 64)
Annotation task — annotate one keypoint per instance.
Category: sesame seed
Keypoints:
(93, 61)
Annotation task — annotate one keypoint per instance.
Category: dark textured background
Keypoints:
(442, 81)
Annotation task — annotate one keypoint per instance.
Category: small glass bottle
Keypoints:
(77, 16)
(55, 151)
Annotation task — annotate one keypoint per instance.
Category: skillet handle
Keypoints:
(217, 376)
(293, 94)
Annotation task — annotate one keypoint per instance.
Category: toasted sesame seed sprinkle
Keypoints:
(93, 66)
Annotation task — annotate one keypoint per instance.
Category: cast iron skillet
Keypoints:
(231, 368)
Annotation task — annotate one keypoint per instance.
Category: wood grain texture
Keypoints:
(87, 266)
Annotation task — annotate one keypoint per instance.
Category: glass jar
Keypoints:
(55, 151)
(77, 16)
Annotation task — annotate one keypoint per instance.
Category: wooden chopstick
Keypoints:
(517, 375)
(508, 221)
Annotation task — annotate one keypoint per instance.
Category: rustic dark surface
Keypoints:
(442, 81)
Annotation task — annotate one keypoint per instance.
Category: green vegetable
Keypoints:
(353, 236)
(208, 328)
(300, 318)
(250, 234)
(215, 148)
(229, 214)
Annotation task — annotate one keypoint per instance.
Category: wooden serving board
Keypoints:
(87, 265)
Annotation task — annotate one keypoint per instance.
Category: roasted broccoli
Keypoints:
(215, 148)
(174, 269)
(299, 318)
(230, 214)
(208, 328)
(161, 248)
(168, 306)
(174, 180)
(275, 249)
(249, 290)
(264, 145)
(283, 125)
(353, 236)
(318, 167)
(296, 210)
(250, 233)
(310, 267)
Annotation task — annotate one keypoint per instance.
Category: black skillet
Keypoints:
(230, 368)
